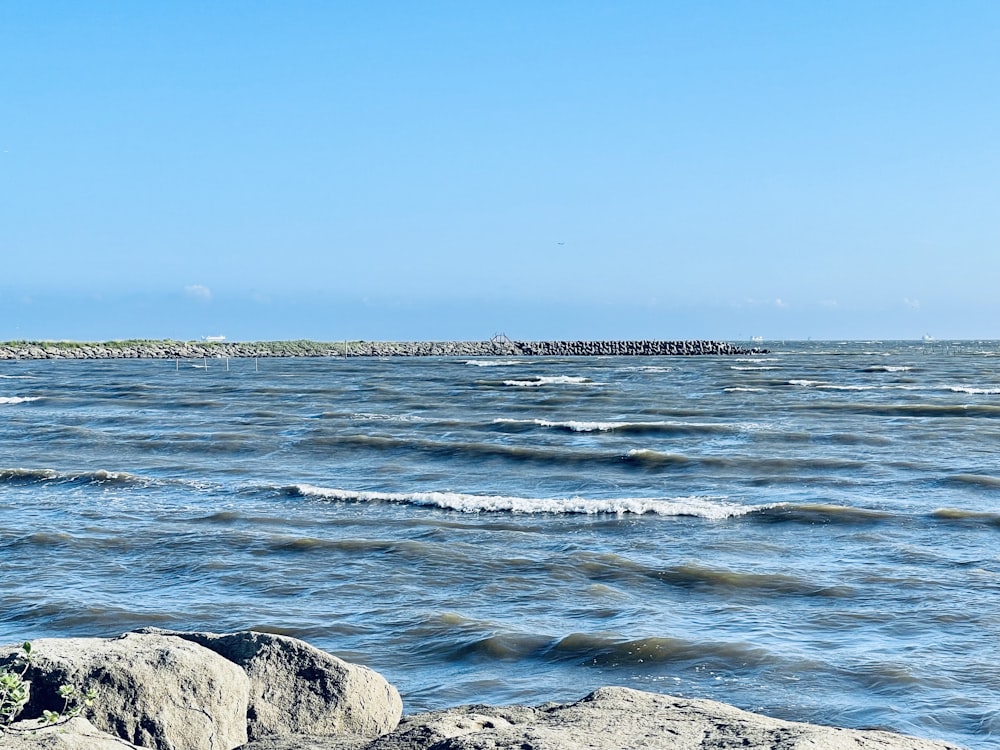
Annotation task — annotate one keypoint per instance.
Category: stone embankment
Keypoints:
(492, 348)
(167, 690)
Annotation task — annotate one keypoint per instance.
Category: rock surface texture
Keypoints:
(609, 719)
(165, 690)
(191, 691)
(75, 734)
(153, 691)
(295, 687)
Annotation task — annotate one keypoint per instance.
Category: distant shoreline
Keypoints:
(497, 346)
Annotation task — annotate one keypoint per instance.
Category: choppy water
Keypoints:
(814, 533)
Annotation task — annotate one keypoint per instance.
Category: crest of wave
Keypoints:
(551, 380)
(709, 507)
(18, 399)
(494, 362)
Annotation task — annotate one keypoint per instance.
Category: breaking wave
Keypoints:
(18, 399)
(713, 508)
(550, 380)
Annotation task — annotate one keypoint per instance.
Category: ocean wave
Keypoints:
(612, 651)
(648, 368)
(495, 362)
(541, 380)
(670, 427)
(959, 515)
(99, 477)
(911, 410)
(887, 368)
(700, 506)
(18, 399)
(707, 578)
(976, 480)
(743, 389)
(761, 466)
(821, 513)
(744, 368)
(974, 391)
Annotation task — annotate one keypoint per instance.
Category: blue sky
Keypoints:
(450, 170)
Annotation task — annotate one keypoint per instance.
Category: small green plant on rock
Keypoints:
(13, 687)
(14, 695)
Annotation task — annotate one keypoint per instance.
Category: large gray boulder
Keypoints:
(162, 693)
(296, 688)
(75, 734)
(610, 719)
(613, 718)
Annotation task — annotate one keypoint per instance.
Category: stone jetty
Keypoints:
(497, 346)
(167, 690)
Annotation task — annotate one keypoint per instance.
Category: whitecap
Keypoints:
(551, 380)
(974, 391)
(18, 399)
(577, 426)
(494, 362)
(701, 506)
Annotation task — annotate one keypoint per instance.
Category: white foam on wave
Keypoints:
(551, 380)
(890, 368)
(597, 426)
(372, 417)
(701, 506)
(745, 368)
(743, 389)
(17, 377)
(18, 399)
(577, 426)
(648, 368)
(974, 391)
(834, 387)
(495, 362)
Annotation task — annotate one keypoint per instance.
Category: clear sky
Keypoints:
(546, 169)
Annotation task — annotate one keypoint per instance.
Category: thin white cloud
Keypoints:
(198, 292)
(913, 304)
(778, 302)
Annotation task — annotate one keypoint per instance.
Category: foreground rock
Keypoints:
(203, 691)
(75, 734)
(295, 687)
(167, 690)
(151, 690)
(610, 719)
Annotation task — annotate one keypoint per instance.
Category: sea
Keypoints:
(812, 533)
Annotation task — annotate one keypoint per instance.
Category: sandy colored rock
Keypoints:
(153, 691)
(296, 688)
(75, 734)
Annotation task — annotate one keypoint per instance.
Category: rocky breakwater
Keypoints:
(167, 690)
(148, 349)
(165, 349)
(506, 348)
